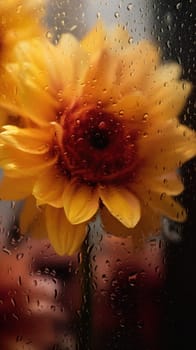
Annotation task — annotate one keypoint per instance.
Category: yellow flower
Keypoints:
(20, 20)
(100, 133)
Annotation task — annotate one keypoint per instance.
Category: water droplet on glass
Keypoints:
(179, 5)
(129, 6)
(116, 14)
(20, 281)
(13, 204)
(102, 125)
(74, 27)
(132, 279)
(145, 117)
(49, 35)
(140, 324)
(19, 8)
(168, 18)
(162, 195)
(19, 256)
(7, 251)
(16, 317)
(13, 302)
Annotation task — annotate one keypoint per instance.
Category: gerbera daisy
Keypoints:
(100, 133)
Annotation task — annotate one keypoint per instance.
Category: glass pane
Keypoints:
(97, 187)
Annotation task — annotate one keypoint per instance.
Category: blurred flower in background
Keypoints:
(20, 20)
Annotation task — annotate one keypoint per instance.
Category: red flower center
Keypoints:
(97, 146)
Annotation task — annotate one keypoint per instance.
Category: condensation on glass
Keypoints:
(126, 299)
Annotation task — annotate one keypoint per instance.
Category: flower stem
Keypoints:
(85, 323)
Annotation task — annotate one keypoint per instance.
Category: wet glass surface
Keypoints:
(108, 295)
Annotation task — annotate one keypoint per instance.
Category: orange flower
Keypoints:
(100, 133)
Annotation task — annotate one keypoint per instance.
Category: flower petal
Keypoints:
(81, 202)
(74, 63)
(139, 61)
(167, 99)
(131, 108)
(148, 225)
(165, 205)
(122, 204)
(49, 188)
(100, 78)
(65, 237)
(119, 38)
(21, 164)
(36, 96)
(15, 189)
(95, 39)
(33, 141)
(168, 183)
(114, 226)
(32, 219)
(175, 144)
(165, 73)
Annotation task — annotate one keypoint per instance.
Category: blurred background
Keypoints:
(138, 300)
